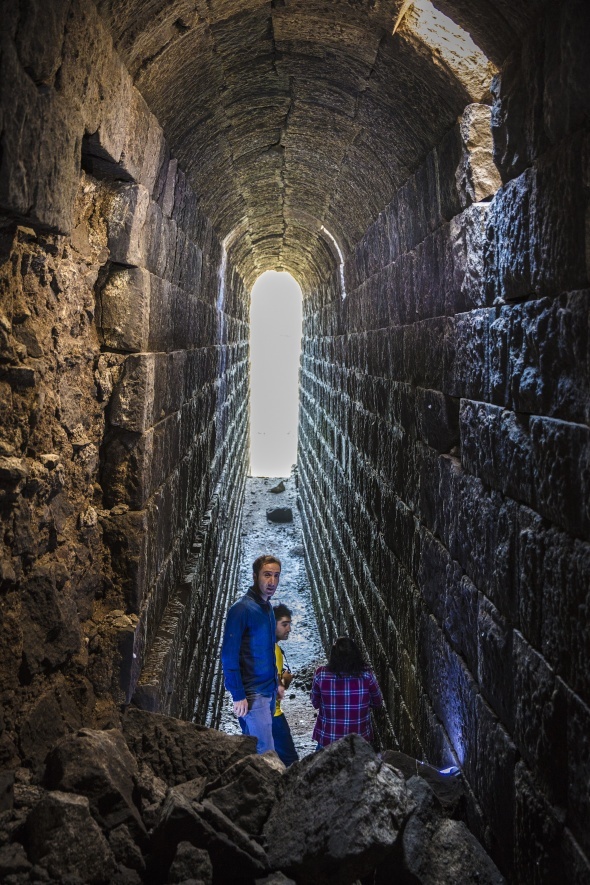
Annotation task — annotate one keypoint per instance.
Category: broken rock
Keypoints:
(340, 814)
(437, 849)
(247, 791)
(64, 838)
(98, 764)
(279, 514)
(179, 751)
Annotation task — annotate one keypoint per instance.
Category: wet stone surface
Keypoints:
(303, 650)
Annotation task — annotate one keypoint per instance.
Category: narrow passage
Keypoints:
(303, 650)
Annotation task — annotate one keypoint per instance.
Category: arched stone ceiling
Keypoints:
(292, 114)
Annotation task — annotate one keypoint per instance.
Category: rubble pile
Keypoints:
(165, 801)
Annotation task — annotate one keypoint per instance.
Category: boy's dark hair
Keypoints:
(281, 611)
(346, 658)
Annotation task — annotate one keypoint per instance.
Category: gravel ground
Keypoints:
(303, 650)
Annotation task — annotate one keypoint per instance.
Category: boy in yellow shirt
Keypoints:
(281, 732)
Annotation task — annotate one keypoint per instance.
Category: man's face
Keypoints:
(283, 629)
(268, 580)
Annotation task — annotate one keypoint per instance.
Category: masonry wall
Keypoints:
(123, 397)
(444, 458)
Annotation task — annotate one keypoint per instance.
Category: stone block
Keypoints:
(529, 537)
(496, 447)
(537, 357)
(461, 618)
(39, 170)
(536, 228)
(578, 768)
(467, 240)
(538, 831)
(560, 454)
(189, 861)
(127, 536)
(38, 46)
(518, 96)
(135, 466)
(166, 303)
(562, 571)
(566, 71)
(64, 839)
(540, 719)
(437, 574)
(427, 352)
(558, 235)
(468, 355)
(124, 313)
(431, 277)
(247, 791)
(169, 188)
(448, 154)
(132, 402)
(452, 691)
(437, 419)
(495, 665)
(126, 222)
(158, 243)
(151, 387)
(541, 88)
(493, 784)
(508, 254)
(477, 175)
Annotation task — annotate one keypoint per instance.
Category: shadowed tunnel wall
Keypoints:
(444, 463)
(151, 167)
(124, 398)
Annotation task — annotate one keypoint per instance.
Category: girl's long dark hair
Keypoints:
(346, 658)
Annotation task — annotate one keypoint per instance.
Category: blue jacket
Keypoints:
(248, 648)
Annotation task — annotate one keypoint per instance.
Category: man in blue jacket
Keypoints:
(248, 653)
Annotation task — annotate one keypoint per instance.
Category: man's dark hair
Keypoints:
(260, 563)
(281, 611)
(346, 658)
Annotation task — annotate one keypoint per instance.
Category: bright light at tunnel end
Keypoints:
(275, 350)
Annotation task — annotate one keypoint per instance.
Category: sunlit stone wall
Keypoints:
(123, 397)
(444, 458)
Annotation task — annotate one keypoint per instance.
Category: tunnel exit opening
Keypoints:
(275, 350)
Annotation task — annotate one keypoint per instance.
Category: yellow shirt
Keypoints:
(280, 668)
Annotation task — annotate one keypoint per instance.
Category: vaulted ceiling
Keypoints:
(290, 115)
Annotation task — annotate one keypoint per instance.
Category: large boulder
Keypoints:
(64, 838)
(98, 764)
(436, 849)
(247, 791)
(179, 751)
(340, 814)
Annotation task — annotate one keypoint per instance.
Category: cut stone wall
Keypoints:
(123, 397)
(444, 458)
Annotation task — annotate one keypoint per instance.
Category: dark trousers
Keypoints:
(284, 745)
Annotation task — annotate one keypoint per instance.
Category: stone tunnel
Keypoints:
(422, 170)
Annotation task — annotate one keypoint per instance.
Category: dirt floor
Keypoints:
(303, 651)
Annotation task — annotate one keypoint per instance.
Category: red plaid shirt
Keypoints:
(344, 704)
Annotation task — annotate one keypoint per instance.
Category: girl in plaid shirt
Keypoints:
(343, 692)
